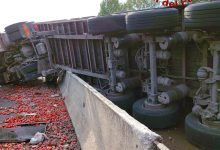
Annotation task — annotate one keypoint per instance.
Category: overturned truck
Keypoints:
(147, 62)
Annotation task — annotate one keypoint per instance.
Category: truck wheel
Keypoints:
(149, 20)
(107, 24)
(202, 16)
(201, 135)
(15, 36)
(156, 118)
(124, 101)
(14, 27)
(14, 32)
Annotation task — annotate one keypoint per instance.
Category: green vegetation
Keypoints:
(108, 7)
(112, 6)
(139, 4)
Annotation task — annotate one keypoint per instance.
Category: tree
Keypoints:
(108, 7)
(139, 4)
(112, 6)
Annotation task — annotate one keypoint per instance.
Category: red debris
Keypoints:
(36, 98)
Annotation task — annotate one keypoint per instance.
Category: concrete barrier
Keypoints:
(101, 125)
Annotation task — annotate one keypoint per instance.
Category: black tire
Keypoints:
(156, 118)
(107, 24)
(124, 101)
(201, 135)
(15, 36)
(202, 16)
(14, 32)
(154, 19)
(14, 27)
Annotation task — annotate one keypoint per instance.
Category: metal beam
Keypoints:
(83, 72)
(78, 37)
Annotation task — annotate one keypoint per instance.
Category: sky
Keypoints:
(13, 11)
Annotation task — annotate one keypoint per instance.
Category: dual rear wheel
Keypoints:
(204, 16)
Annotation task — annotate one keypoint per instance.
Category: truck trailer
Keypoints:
(148, 62)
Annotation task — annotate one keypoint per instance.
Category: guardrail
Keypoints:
(100, 124)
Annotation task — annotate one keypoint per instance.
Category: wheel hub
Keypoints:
(148, 104)
(211, 123)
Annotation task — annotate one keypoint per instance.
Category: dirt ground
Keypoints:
(36, 103)
(174, 138)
